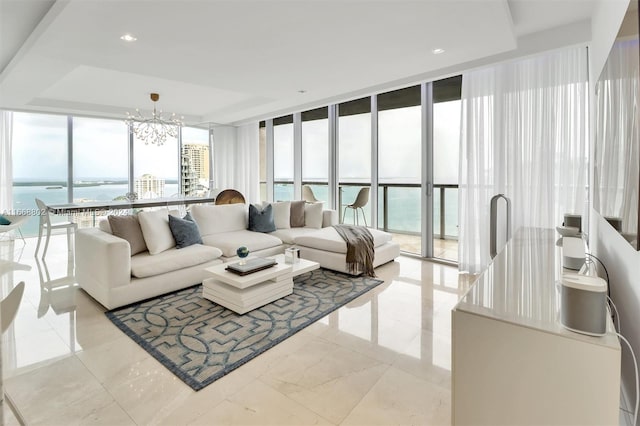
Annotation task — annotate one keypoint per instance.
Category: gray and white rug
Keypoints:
(200, 341)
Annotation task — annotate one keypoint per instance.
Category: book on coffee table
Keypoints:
(251, 265)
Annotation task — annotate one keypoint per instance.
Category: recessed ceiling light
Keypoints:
(128, 37)
(437, 51)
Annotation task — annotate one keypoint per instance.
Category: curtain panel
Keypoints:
(6, 169)
(237, 160)
(524, 134)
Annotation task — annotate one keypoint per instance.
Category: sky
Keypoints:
(100, 147)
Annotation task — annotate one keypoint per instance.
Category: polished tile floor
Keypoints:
(384, 358)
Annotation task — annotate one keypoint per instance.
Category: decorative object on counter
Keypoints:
(229, 196)
(568, 231)
(573, 220)
(292, 255)
(583, 307)
(573, 253)
(242, 253)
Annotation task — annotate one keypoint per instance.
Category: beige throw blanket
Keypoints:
(359, 248)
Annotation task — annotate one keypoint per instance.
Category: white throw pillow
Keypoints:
(156, 231)
(282, 214)
(313, 215)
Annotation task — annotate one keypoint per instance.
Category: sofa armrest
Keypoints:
(103, 261)
(329, 218)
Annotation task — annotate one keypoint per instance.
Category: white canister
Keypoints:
(292, 255)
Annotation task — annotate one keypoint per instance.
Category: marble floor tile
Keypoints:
(383, 358)
(400, 398)
(259, 404)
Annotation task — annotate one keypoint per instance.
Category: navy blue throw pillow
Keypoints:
(185, 231)
(4, 221)
(261, 220)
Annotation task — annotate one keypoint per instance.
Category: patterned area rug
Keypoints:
(200, 341)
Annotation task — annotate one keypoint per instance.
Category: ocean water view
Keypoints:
(53, 193)
(403, 203)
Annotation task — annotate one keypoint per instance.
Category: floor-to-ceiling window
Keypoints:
(262, 141)
(400, 166)
(155, 169)
(195, 163)
(283, 158)
(315, 153)
(100, 162)
(40, 163)
(354, 157)
(446, 143)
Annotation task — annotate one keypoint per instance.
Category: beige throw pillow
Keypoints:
(282, 214)
(296, 218)
(313, 215)
(128, 228)
(156, 231)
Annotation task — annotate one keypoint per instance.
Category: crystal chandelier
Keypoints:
(154, 129)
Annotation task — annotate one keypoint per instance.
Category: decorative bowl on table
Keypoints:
(242, 253)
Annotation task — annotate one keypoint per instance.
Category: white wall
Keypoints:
(622, 261)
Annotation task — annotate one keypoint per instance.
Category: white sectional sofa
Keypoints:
(107, 271)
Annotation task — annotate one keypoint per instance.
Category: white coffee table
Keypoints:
(242, 294)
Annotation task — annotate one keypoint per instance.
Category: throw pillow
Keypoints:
(313, 215)
(185, 231)
(281, 214)
(156, 231)
(296, 218)
(261, 220)
(128, 228)
(4, 221)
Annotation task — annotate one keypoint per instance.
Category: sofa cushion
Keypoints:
(146, 265)
(288, 236)
(221, 218)
(185, 231)
(296, 218)
(282, 214)
(128, 228)
(328, 239)
(229, 242)
(313, 215)
(261, 219)
(156, 231)
(104, 226)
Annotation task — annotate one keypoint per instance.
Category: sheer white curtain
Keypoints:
(6, 170)
(524, 134)
(236, 160)
(616, 158)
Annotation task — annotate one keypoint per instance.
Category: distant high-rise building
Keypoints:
(189, 180)
(149, 186)
(199, 155)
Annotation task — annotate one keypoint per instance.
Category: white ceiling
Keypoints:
(231, 61)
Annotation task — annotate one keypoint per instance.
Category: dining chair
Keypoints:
(46, 225)
(229, 196)
(361, 200)
(308, 195)
(15, 222)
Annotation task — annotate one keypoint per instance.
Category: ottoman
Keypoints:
(327, 247)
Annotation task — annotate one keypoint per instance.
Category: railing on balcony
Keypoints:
(399, 209)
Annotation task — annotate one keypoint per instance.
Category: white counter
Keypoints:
(513, 362)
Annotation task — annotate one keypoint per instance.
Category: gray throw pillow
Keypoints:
(185, 231)
(296, 219)
(261, 220)
(128, 228)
